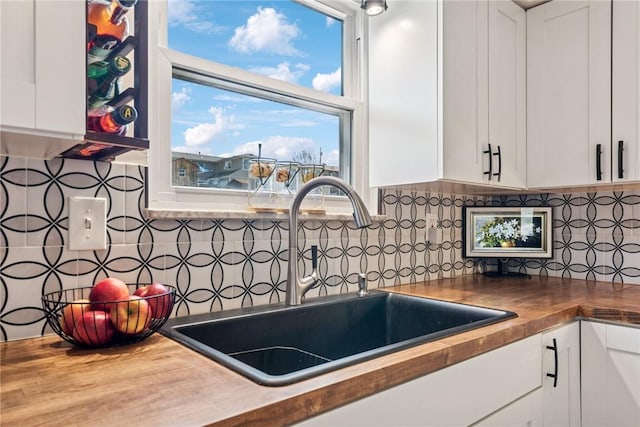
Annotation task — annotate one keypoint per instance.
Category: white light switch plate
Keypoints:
(434, 234)
(87, 223)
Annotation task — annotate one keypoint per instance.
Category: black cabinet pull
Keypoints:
(555, 359)
(620, 151)
(314, 257)
(499, 154)
(490, 153)
(599, 162)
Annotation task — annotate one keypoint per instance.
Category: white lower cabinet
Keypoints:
(561, 376)
(580, 374)
(524, 412)
(456, 396)
(557, 403)
(610, 375)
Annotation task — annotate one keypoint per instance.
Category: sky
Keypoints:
(280, 39)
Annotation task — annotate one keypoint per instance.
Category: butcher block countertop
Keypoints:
(46, 381)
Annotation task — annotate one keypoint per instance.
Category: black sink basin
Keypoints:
(277, 345)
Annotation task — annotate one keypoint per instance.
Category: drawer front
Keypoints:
(459, 395)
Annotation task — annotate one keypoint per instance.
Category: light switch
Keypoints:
(87, 223)
(431, 220)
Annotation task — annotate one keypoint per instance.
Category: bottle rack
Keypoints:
(102, 146)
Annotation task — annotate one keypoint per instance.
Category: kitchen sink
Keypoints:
(277, 344)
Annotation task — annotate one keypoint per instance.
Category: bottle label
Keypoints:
(101, 47)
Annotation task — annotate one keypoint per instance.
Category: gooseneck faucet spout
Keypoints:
(297, 287)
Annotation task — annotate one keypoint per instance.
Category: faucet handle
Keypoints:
(314, 257)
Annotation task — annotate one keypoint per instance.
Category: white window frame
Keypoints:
(163, 196)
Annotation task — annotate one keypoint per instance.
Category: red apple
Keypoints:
(131, 316)
(109, 289)
(94, 328)
(158, 297)
(72, 312)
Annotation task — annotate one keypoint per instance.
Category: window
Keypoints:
(182, 172)
(239, 80)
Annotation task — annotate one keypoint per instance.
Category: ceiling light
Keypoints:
(374, 7)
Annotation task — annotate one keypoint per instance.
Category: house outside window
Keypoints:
(240, 91)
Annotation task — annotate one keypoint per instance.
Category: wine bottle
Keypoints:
(103, 83)
(109, 120)
(110, 26)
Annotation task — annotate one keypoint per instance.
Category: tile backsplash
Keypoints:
(224, 264)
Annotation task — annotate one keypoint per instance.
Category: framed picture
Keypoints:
(507, 232)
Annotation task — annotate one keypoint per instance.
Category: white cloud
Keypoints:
(276, 147)
(326, 82)
(268, 31)
(183, 13)
(204, 133)
(228, 97)
(283, 71)
(178, 99)
(298, 123)
(332, 158)
(329, 21)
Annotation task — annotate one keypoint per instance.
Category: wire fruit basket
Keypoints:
(100, 324)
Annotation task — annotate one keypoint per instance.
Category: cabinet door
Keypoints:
(506, 114)
(625, 112)
(561, 395)
(465, 134)
(610, 375)
(568, 92)
(403, 95)
(17, 63)
(43, 67)
(484, 57)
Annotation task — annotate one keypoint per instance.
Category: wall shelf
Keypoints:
(102, 146)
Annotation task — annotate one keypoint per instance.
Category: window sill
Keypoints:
(272, 216)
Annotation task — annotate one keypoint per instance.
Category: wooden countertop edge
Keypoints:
(609, 314)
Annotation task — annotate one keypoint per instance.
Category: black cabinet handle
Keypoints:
(490, 153)
(599, 162)
(620, 151)
(554, 347)
(499, 154)
(314, 257)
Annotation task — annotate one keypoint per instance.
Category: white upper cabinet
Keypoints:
(507, 105)
(484, 93)
(446, 80)
(403, 94)
(42, 76)
(625, 114)
(575, 121)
